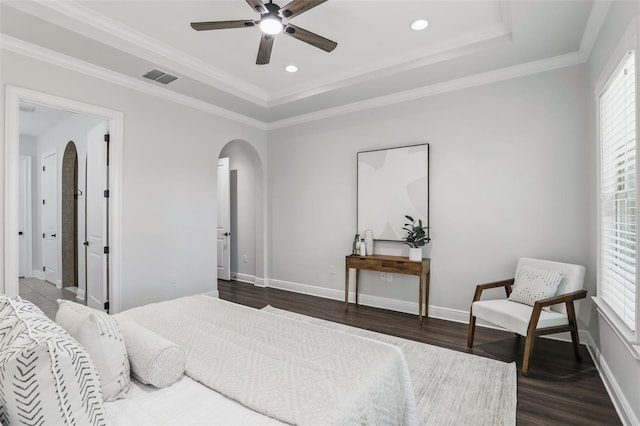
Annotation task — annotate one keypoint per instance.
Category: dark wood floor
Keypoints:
(558, 390)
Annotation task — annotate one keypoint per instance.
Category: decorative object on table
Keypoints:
(416, 237)
(368, 241)
(363, 248)
(355, 249)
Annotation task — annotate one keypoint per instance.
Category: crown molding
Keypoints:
(119, 36)
(460, 46)
(502, 74)
(55, 58)
(598, 14)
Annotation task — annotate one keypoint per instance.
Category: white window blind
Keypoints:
(618, 192)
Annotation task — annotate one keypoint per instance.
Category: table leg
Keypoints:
(346, 288)
(357, 283)
(426, 293)
(420, 299)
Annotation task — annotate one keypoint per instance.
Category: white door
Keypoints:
(24, 217)
(50, 217)
(224, 221)
(96, 218)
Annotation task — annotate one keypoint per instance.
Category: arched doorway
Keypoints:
(70, 216)
(246, 208)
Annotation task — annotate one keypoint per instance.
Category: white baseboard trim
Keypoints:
(261, 282)
(81, 294)
(620, 402)
(38, 274)
(245, 278)
(215, 294)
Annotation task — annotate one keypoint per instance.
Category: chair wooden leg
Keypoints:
(575, 338)
(528, 351)
(472, 330)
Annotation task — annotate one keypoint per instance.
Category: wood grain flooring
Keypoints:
(558, 390)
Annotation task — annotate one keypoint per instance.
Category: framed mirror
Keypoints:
(392, 183)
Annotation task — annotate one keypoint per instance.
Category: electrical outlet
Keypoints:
(383, 276)
(174, 278)
(389, 277)
(332, 269)
(245, 259)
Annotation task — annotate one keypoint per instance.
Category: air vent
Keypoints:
(160, 76)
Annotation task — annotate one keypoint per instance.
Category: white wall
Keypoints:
(509, 162)
(246, 181)
(622, 371)
(170, 153)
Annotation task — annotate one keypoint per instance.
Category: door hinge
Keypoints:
(43, 236)
(106, 250)
(106, 306)
(106, 137)
(43, 168)
(106, 193)
(42, 202)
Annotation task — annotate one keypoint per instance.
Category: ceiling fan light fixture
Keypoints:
(271, 25)
(419, 24)
(291, 68)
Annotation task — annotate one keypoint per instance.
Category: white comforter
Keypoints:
(292, 371)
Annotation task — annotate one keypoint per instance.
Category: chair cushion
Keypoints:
(98, 332)
(514, 316)
(532, 284)
(46, 377)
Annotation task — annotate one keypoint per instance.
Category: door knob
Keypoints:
(20, 233)
(86, 243)
(53, 235)
(226, 234)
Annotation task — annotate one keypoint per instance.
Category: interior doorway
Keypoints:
(69, 204)
(109, 130)
(246, 212)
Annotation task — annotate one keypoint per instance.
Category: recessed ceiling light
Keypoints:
(419, 24)
(291, 68)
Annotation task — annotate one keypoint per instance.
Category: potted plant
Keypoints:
(416, 237)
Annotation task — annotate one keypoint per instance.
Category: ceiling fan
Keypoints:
(271, 16)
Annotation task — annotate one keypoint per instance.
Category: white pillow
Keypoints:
(46, 376)
(98, 332)
(533, 284)
(154, 359)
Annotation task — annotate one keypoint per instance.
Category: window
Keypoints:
(618, 192)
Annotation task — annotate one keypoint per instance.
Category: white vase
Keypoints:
(368, 241)
(415, 254)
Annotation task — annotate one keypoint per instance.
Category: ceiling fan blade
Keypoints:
(310, 38)
(264, 51)
(221, 25)
(296, 7)
(257, 6)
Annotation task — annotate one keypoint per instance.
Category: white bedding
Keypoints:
(186, 402)
(298, 373)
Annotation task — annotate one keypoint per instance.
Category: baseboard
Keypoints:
(215, 294)
(620, 403)
(261, 282)
(245, 278)
(38, 274)
(81, 295)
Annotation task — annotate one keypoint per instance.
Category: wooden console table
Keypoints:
(394, 265)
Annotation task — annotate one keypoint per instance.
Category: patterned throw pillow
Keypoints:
(533, 284)
(99, 334)
(46, 377)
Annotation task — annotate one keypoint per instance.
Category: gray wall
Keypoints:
(509, 162)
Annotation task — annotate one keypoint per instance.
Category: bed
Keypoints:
(241, 366)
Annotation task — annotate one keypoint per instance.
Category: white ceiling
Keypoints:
(37, 119)
(378, 55)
